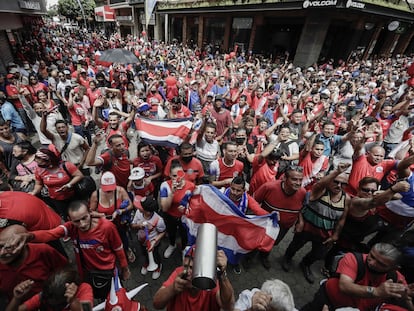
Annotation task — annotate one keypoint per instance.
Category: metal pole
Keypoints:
(83, 13)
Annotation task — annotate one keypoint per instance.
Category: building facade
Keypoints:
(16, 17)
(307, 30)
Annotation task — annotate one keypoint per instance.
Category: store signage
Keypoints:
(320, 3)
(354, 4)
(29, 5)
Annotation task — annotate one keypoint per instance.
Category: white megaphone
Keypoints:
(152, 265)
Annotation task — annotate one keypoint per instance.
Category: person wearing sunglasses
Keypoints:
(363, 218)
(324, 216)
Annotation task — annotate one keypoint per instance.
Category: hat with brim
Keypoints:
(108, 182)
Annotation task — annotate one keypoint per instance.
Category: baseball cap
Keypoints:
(108, 182)
(193, 82)
(13, 70)
(218, 97)
(137, 173)
(10, 76)
(66, 72)
(144, 106)
(210, 94)
(326, 92)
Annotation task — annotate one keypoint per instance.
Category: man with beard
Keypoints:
(96, 241)
(114, 125)
(286, 197)
(192, 166)
(365, 282)
(33, 261)
(115, 160)
(72, 147)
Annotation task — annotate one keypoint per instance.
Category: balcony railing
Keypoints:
(124, 18)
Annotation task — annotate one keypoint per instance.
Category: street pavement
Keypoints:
(253, 277)
(250, 278)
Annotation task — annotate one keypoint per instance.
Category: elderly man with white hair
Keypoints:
(274, 295)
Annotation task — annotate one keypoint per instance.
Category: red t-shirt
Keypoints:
(222, 171)
(33, 89)
(101, 246)
(151, 166)
(362, 168)
(28, 209)
(41, 261)
(55, 180)
(178, 195)
(348, 266)
(262, 173)
(84, 293)
(120, 167)
(11, 90)
(193, 170)
(93, 95)
(122, 130)
(77, 114)
(273, 198)
(204, 300)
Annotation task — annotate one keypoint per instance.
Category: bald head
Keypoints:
(6, 253)
(376, 155)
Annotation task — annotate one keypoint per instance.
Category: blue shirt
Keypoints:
(9, 113)
(329, 143)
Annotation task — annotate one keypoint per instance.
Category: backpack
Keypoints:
(360, 270)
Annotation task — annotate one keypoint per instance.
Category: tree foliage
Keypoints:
(71, 9)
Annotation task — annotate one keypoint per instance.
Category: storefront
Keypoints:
(15, 17)
(307, 30)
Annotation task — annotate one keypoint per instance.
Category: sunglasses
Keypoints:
(368, 190)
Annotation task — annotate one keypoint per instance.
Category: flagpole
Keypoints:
(83, 13)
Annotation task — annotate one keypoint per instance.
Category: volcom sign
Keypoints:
(353, 4)
(308, 4)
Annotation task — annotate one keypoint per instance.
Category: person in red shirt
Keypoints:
(115, 160)
(286, 197)
(192, 166)
(339, 119)
(114, 125)
(380, 282)
(33, 261)
(93, 92)
(34, 87)
(372, 165)
(173, 193)
(221, 117)
(138, 184)
(96, 241)
(224, 169)
(178, 294)
(63, 291)
(178, 110)
(264, 167)
(314, 164)
(59, 178)
(150, 163)
(28, 210)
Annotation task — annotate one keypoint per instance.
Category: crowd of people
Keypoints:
(329, 148)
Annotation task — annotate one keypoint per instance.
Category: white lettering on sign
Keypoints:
(29, 5)
(307, 3)
(354, 4)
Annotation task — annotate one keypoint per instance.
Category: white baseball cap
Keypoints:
(137, 173)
